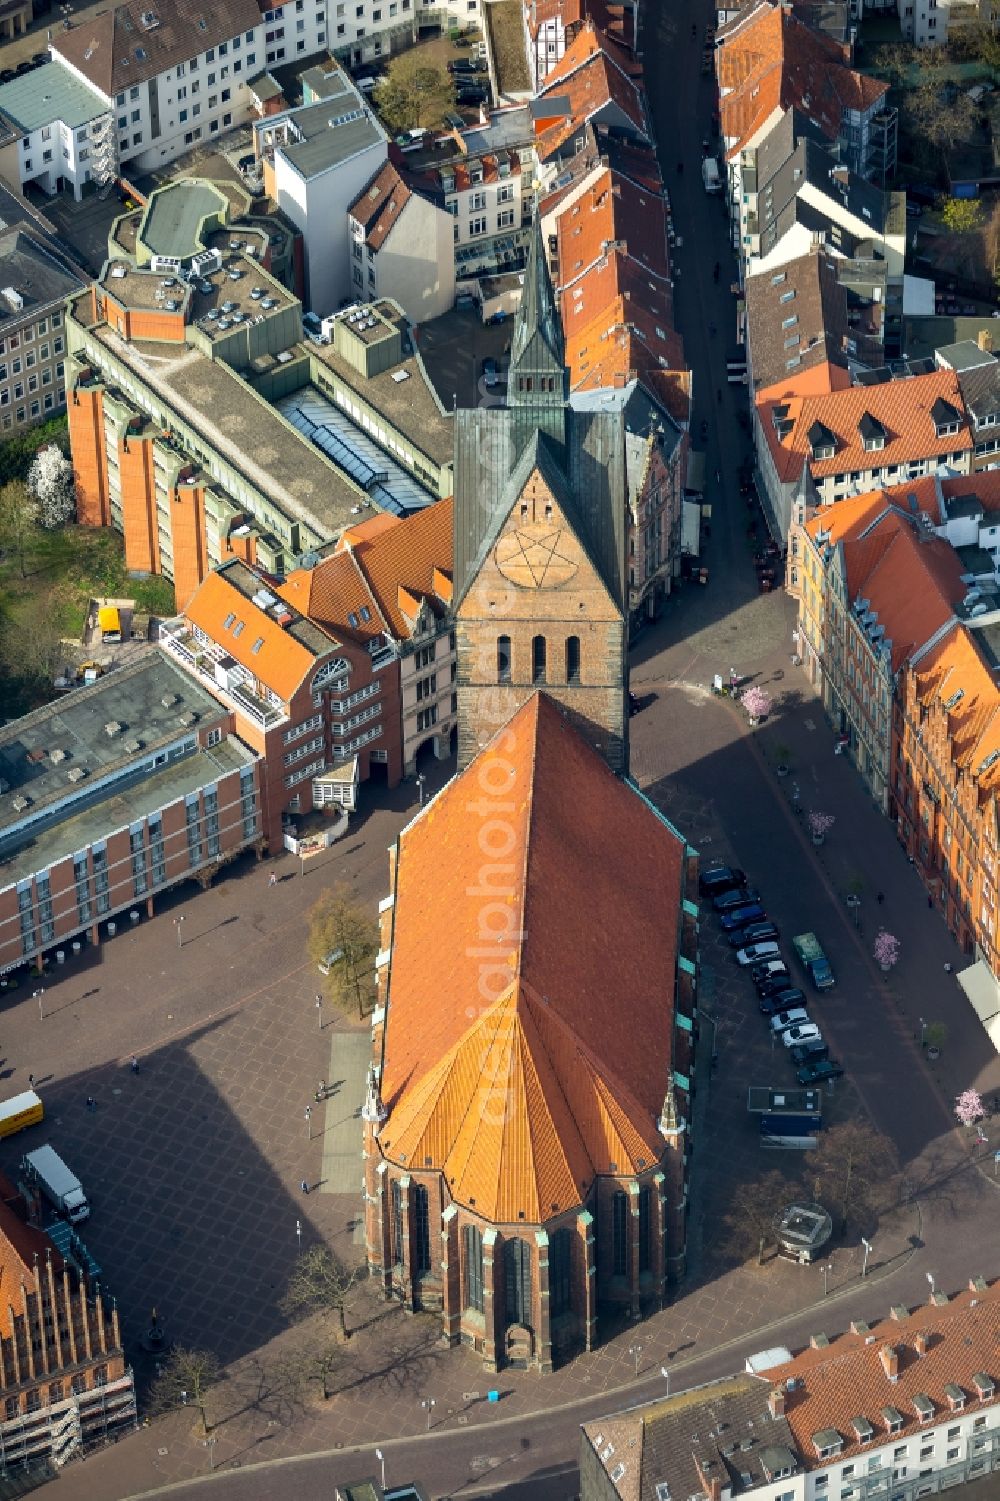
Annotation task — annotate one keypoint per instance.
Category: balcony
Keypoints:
(200, 658)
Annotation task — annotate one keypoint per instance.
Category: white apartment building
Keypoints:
(402, 247)
(491, 199)
(317, 159)
(896, 1411)
(57, 127)
(923, 23)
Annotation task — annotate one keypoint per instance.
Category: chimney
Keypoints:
(920, 1343)
(984, 339)
(711, 1480)
(890, 1362)
(776, 1402)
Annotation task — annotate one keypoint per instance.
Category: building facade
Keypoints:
(925, 1382)
(36, 283)
(402, 247)
(111, 796)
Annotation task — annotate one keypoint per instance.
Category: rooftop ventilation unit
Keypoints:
(119, 272)
(171, 305)
(166, 263)
(206, 262)
(14, 299)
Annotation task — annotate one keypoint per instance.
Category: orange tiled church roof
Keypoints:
(528, 1033)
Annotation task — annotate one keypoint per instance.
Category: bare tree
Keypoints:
(339, 927)
(184, 1380)
(851, 1169)
(321, 1283)
(942, 125)
(414, 92)
(753, 1214)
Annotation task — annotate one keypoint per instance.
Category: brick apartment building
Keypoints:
(320, 709)
(899, 604)
(111, 795)
(64, 1383)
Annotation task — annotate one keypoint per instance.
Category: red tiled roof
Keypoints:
(614, 20)
(954, 672)
(912, 580)
(903, 407)
(612, 211)
(411, 559)
(514, 1076)
(335, 594)
(279, 661)
(591, 74)
(830, 1386)
(774, 61)
(379, 205)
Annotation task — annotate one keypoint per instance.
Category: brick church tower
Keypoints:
(540, 546)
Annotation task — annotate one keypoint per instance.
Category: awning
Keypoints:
(695, 471)
(983, 992)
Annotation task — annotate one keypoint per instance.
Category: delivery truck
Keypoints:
(19, 1111)
(46, 1170)
(814, 961)
(710, 175)
(796, 1132)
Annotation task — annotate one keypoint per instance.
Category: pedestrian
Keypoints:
(31, 1081)
(880, 897)
(304, 1186)
(947, 969)
(272, 879)
(930, 901)
(321, 1089)
(91, 1102)
(133, 1064)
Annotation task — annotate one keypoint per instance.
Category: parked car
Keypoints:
(470, 94)
(785, 1019)
(39, 57)
(755, 952)
(720, 878)
(466, 65)
(819, 1071)
(809, 1052)
(764, 975)
(738, 897)
(738, 917)
(756, 932)
(7, 74)
(803, 1032)
(781, 1000)
(491, 373)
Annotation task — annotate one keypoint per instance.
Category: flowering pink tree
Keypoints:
(757, 703)
(886, 949)
(969, 1107)
(820, 824)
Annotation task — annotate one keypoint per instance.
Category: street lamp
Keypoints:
(930, 1279)
(635, 1351)
(319, 1011)
(309, 1116)
(923, 1029)
(36, 995)
(827, 1269)
(180, 934)
(421, 779)
(428, 1404)
(298, 1233)
(867, 1246)
(381, 1459)
(665, 1373)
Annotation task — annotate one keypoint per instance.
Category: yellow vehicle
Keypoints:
(110, 621)
(22, 1110)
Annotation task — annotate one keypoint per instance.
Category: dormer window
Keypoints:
(947, 419)
(822, 443)
(984, 1385)
(872, 433)
(827, 1443)
(893, 1419)
(923, 1407)
(955, 1395)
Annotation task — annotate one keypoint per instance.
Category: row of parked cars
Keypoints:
(755, 938)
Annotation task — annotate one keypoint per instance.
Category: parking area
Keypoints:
(454, 347)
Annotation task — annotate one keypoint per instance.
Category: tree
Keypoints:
(969, 1107)
(942, 125)
(18, 520)
(886, 949)
(962, 215)
(338, 925)
(321, 1283)
(754, 1211)
(757, 702)
(184, 1378)
(50, 482)
(414, 93)
(851, 1167)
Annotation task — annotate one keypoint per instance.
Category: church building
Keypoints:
(527, 1124)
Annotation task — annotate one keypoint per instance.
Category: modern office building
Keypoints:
(113, 794)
